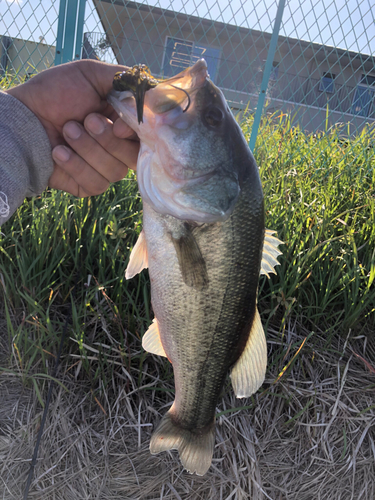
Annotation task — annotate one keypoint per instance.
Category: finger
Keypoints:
(64, 182)
(123, 131)
(94, 154)
(112, 115)
(102, 130)
(75, 175)
(101, 74)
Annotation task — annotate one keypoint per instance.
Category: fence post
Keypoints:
(70, 30)
(266, 74)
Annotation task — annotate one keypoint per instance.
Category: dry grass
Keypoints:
(308, 436)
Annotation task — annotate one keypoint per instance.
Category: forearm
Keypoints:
(25, 155)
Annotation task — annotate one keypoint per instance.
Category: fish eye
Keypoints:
(213, 116)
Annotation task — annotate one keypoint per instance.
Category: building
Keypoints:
(24, 58)
(306, 77)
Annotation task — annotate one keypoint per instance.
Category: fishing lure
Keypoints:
(137, 80)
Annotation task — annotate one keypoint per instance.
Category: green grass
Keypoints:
(46, 244)
(319, 194)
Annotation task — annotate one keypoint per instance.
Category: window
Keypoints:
(367, 80)
(274, 71)
(327, 83)
(364, 96)
(180, 54)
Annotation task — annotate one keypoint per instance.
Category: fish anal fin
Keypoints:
(151, 341)
(270, 253)
(138, 258)
(195, 446)
(248, 373)
(191, 261)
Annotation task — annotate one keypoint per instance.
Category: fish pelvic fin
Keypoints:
(151, 341)
(270, 253)
(138, 258)
(191, 262)
(195, 447)
(248, 373)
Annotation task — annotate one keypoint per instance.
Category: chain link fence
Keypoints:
(309, 62)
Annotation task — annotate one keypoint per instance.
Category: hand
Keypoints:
(70, 101)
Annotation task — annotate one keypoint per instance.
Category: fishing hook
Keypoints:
(187, 94)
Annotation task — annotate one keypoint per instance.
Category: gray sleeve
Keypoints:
(25, 155)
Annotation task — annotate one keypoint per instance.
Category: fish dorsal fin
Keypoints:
(270, 253)
(192, 264)
(151, 341)
(138, 258)
(248, 373)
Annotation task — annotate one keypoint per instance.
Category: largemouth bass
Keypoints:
(203, 241)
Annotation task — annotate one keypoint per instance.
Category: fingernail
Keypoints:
(94, 125)
(61, 153)
(72, 130)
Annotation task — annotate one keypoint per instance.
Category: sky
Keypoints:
(346, 24)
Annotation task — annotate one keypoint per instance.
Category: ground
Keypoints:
(307, 435)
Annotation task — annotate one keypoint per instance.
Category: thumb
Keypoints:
(100, 74)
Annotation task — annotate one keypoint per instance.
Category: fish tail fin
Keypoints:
(195, 447)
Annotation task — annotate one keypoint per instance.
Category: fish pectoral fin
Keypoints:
(248, 373)
(138, 258)
(191, 262)
(151, 341)
(270, 253)
(195, 446)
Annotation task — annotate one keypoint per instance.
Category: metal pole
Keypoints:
(80, 22)
(267, 73)
(60, 33)
(70, 30)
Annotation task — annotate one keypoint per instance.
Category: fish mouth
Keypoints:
(198, 73)
(123, 102)
(178, 90)
(165, 95)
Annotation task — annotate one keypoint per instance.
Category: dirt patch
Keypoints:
(311, 435)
